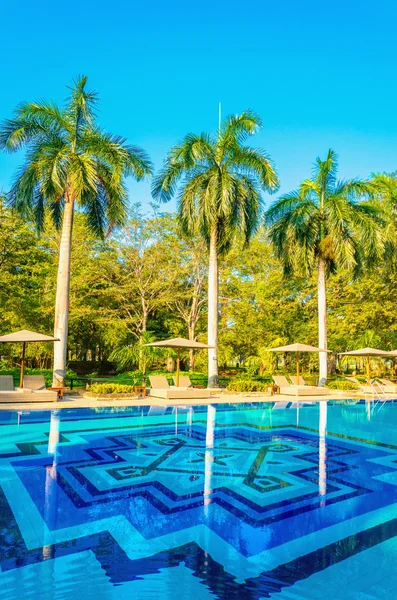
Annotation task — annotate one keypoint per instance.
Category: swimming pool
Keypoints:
(227, 502)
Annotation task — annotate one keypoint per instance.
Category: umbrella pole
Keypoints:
(368, 371)
(297, 369)
(22, 364)
(177, 366)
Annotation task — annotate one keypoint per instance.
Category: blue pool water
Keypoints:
(220, 502)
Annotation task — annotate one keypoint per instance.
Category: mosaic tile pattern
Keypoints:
(236, 502)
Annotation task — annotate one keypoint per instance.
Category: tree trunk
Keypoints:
(322, 321)
(62, 296)
(191, 329)
(144, 315)
(213, 313)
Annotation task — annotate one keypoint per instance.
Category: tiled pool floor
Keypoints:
(223, 502)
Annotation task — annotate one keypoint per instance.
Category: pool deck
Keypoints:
(79, 401)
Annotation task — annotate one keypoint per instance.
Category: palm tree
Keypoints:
(324, 225)
(137, 355)
(385, 199)
(219, 196)
(69, 161)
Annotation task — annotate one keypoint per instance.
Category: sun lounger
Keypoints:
(295, 381)
(31, 392)
(298, 390)
(35, 390)
(184, 381)
(365, 388)
(302, 382)
(160, 388)
(388, 386)
(8, 393)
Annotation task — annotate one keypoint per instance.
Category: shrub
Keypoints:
(341, 384)
(111, 388)
(240, 384)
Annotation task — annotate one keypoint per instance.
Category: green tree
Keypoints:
(324, 225)
(220, 194)
(69, 161)
(145, 268)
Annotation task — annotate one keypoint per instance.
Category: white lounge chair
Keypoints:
(160, 388)
(388, 386)
(8, 393)
(298, 390)
(294, 379)
(35, 390)
(184, 381)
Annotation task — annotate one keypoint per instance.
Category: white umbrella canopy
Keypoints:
(297, 348)
(368, 352)
(179, 343)
(24, 336)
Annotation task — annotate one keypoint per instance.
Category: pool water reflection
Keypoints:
(213, 502)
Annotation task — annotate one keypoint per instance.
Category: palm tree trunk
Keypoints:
(322, 321)
(62, 295)
(213, 313)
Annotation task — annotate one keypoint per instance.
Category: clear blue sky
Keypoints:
(320, 74)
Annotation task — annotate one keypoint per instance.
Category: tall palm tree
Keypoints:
(325, 225)
(69, 161)
(385, 199)
(221, 180)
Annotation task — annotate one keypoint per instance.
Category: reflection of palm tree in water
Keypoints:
(209, 455)
(51, 486)
(322, 456)
(208, 465)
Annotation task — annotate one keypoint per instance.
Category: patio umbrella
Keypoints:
(179, 343)
(25, 337)
(298, 348)
(368, 352)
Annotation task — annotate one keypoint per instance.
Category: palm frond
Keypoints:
(195, 151)
(254, 163)
(288, 204)
(237, 128)
(81, 103)
(15, 133)
(325, 171)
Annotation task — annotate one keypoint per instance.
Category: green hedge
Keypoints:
(341, 384)
(111, 388)
(240, 384)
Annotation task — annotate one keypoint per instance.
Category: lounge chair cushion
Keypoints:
(159, 382)
(6, 383)
(298, 390)
(184, 381)
(34, 382)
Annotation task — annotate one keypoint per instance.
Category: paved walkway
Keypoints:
(78, 401)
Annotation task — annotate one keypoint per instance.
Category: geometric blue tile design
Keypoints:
(239, 502)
